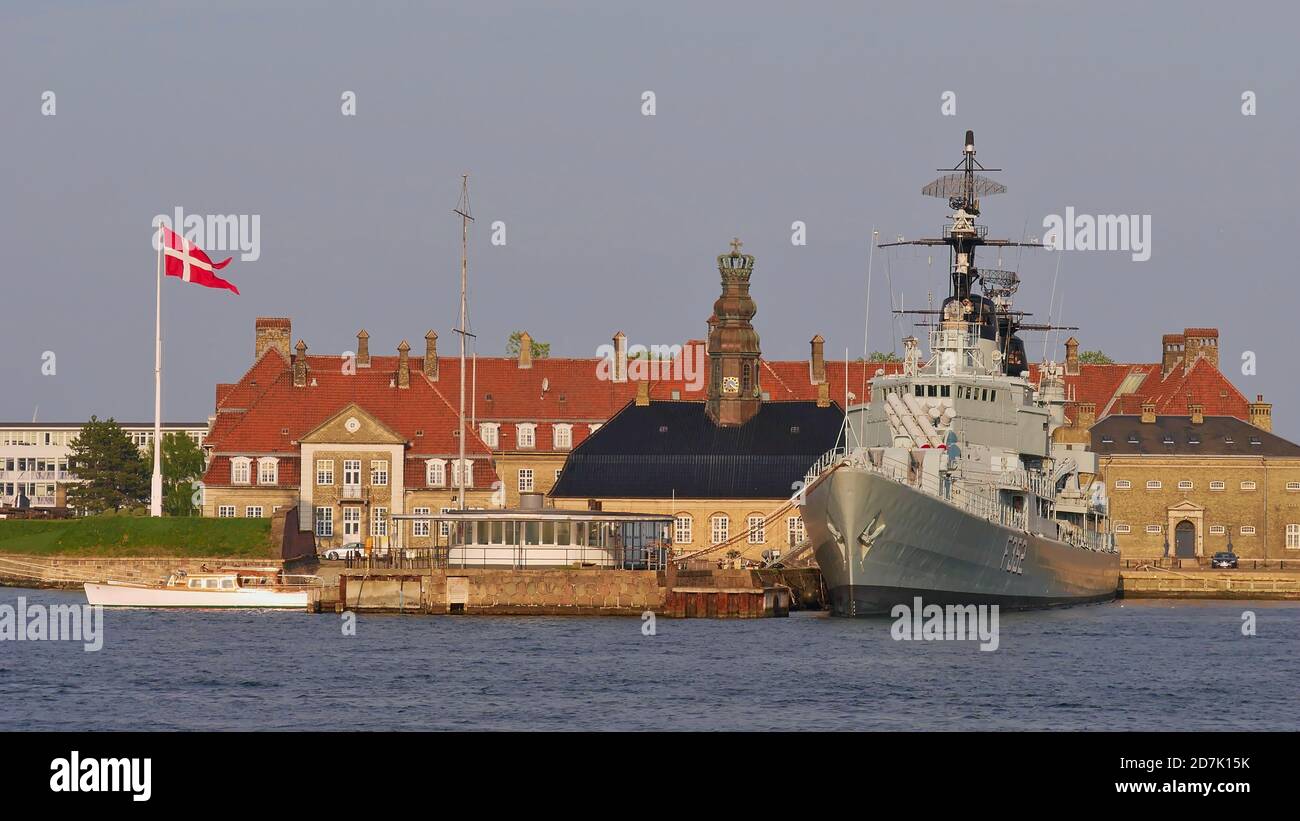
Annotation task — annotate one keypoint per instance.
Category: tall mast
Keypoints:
(462, 208)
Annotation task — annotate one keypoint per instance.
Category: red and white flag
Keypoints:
(186, 260)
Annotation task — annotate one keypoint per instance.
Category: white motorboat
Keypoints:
(228, 587)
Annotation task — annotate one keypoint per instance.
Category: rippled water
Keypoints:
(1127, 665)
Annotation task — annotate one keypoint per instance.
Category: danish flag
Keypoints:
(188, 261)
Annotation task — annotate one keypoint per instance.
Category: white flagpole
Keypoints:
(155, 492)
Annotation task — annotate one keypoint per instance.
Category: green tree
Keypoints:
(1095, 358)
(541, 350)
(182, 465)
(112, 472)
(882, 356)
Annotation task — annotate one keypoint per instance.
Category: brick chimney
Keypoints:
(1202, 343)
(1085, 415)
(620, 357)
(823, 395)
(525, 350)
(1148, 413)
(272, 332)
(643, 392)
(431, 355)
(1261, 413)
(363, 349)
(1171, 350)
(817, 361)
(300, 365)
(403, 365)
(1197, 411)
(1071, 357)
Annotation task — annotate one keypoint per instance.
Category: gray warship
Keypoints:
(947, 485)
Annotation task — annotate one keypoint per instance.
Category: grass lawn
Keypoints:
(138, 536)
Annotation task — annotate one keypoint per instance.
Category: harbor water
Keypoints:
(1126, 665)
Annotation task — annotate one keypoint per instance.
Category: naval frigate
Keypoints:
(947, 484)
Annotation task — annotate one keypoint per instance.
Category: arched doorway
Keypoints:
(1185, 540)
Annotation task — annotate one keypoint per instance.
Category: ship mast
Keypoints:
(462, 208)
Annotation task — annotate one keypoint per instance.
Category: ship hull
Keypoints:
(120, 594)
(916, 545)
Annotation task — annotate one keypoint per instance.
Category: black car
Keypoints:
(1224, 558)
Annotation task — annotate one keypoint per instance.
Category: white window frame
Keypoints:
(469, 473)
(379, 521)
(351, 516)
(562, 435)
(795, 530)
(1217, 486)
(240, 470)
(1293, 537)
(526, 435)
(490, 433)
(1155, 529)
(226, 512)
(1247, 530)
(525, 480)
(324, 471)
(249, 514)
(1248, 485)
(435, 472)
(268, 471)
(444, 526)
(719, 528)
(757, 529)
(593, 427)
(1186, 484)
(1218, 530)
(1154, 484)
(1123, 528)
(379, 473)
(1293, 487)
(1123, 484)
(682, 527)
(323, 520)
(420, 527)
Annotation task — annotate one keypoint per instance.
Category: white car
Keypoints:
(351, 550)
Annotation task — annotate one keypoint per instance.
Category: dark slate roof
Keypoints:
(656, 450)
(1219, 436)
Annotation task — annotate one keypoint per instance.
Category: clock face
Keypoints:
(731, 384)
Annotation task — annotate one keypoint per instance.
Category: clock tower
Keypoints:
(734, 394)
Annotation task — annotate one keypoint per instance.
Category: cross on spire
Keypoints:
(735, 246)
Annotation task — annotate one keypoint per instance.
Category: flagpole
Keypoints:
(155, 490)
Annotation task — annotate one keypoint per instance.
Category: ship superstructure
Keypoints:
(949, 485)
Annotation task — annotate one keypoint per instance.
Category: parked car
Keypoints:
(351, 550)
(1224, 558)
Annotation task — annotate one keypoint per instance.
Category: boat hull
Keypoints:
(118, 594)
(916, 545)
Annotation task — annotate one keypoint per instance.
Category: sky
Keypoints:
(829, 114)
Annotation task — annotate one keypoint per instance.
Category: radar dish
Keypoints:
(999, 283)
(954, 185)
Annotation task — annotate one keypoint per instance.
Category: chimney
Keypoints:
(1085, 415)
(403, 365)
(823, 395)
(525, 350)
(642, 392)
(1071, 357)
(1171, 351)
(1197, 411)
(620, 357)
(431, 355)
(272, 332)
(1261, 413)
(363, 349)
(300, 365)
(817, 363)
(1148, 413)
(1202, 343)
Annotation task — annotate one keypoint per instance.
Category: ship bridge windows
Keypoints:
(945, 390)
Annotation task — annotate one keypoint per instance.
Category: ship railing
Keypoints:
(1086, 539)
(980, 231)
(989, 508)
(823, 462)
(1037, 483)
(952, 339)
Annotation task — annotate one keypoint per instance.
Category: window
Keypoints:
(683, 529)
(1168, 439)
(420, 527)
(1248, 530)
(593, 427)
(435, 472)
(379, 522)
(379, 471)
(1122, 528)
(1216, 485)
(526, 435)
(1217, 530)
(757, 531)
(1293, 537)
(351, 522)
(1184, 484)
(1247, 485)
(1293, 486)
(563, 437)
(1123, 484)
(1107, 439)
(324, 471)
(525, 480)
(1154, 529)
(490, 433)
(324, 519)
(1153, 484)
(557, 473)
(444, 526)
(352, 473)
(794, 531)
(469, 473)
(226, 512)
(253, 512)
(719, 525)
(239, 470)
(268, 471)
(1133, 439)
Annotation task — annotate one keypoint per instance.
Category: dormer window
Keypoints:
(1169, 439)
(239, 470)
(435, 472)
(1107, 439)
(490, 433)
(526, 435)
(1254, 440)
(1193, 439)
(268, 470)
(563, 435)
(1133, 439)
